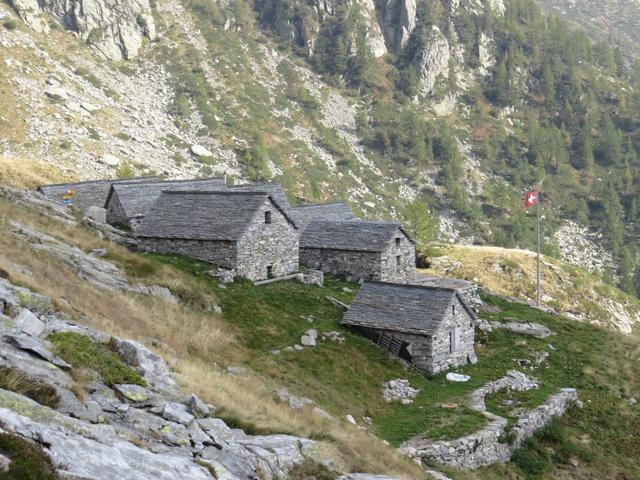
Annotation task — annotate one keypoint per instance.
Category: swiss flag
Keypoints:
(531, 199)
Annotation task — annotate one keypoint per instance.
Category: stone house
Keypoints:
(334, 212)
(128, 202)
(244, 231)
(359, 250)
(88, 194)
(431, 328)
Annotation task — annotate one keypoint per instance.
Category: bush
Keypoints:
(28, 460)
(16, 381)
(310, 470)
(531, 459)
(10, 24)
(81, 352)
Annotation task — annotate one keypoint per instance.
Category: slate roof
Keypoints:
(89, 193)
(203, 215)
(335, 212)
(402, 308)
(274, 189)
(138, 198)
(354, 235)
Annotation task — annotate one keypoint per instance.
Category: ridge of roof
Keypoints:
(100, 180)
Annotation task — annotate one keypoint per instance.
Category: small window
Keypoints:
(398, 260)
(453, 309)
(397, 242)
(452, 341)
(270, 271)
(267, 217)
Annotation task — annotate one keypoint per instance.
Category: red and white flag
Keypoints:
(531, 199)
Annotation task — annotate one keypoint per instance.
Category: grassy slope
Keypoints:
(346, 378)
(572, 291)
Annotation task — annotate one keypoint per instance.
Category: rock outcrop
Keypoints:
(432, 61)
(123, 432)
(399, 22)
(113, 29)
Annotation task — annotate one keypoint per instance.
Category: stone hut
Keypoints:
(244, 231)
(431, 328)
(360, 250)
(129, 202)
(334, 212)
(92, 193)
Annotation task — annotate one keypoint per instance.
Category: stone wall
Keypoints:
(458, 327)
(116, 213)
(487, 446)
(391, 270)
(222, 253)
(431, 354)
(357, 265)
(90, 194)
(272, 244)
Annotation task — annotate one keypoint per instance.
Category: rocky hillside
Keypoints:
(614, 21)
(102, 349)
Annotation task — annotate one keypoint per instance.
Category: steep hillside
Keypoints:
(228, 344)
(571, 291)
(615, 21)
(462, 105)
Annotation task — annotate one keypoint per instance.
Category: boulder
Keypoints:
(97, 213)
(197, 407)
(150, 364)
(29, 323)
(457, 377)
(135, 394)
(56, 92)
(201, 151)
(177, 412)
(109, 160)
(34, 346)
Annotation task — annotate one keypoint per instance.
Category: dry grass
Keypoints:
(571, 291)
(203, 341)
(29, 173)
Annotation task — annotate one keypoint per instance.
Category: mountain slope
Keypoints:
(615, 21)
(226, 358)
(461, 105)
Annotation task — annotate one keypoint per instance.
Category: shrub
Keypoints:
(310, 470)
(28, 460)
(81, 352)
(17, 381)
(10, 24)
(530, 459)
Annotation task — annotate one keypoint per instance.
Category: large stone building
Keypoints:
(128, 202)
(88, 194)
(360, 250)
(245, 231)
(431, 328)
(334, 212)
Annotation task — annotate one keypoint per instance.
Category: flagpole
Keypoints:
(538, 303)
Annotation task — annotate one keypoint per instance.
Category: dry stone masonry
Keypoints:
(431, 328)
(489, 445)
